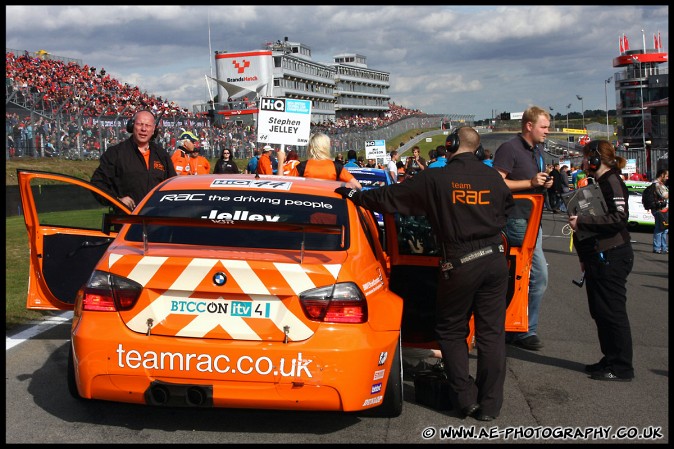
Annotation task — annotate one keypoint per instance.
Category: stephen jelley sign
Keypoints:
(284, 121)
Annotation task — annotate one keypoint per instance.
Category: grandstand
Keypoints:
(61, 107)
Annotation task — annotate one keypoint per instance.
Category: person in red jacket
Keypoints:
(186, 158)
(264, 166)
(290, 165)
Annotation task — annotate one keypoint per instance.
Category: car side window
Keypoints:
(63, 204)
(371, 233)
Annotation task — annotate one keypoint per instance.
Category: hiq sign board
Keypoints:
(284, 121)
(375, 149)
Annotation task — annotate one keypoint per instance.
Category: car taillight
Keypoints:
(106, 292)
(339, 303)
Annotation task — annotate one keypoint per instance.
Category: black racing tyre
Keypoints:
(72, 382)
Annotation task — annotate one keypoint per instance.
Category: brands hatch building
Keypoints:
(342, 88)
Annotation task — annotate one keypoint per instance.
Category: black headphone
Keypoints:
(132, 121)
(479, 152)
(452, 143)
(594, 159)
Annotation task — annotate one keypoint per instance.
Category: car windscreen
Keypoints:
(240, 207)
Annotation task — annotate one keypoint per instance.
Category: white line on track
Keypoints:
(37, 328)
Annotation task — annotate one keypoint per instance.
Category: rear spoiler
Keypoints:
(145, 221)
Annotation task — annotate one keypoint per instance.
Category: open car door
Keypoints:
(414, 272)
(64, 220)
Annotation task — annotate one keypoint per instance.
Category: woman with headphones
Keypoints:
(606, 258)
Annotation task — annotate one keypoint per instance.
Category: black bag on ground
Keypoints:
(431, 388)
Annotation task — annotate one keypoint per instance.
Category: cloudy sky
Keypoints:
(442, 59)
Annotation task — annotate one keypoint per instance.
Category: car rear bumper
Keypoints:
(340, 368)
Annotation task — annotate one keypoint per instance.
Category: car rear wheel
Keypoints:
(72, 382)
(392, 405)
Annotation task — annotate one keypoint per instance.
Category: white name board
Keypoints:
(284, 121)
(630, 167)
(375, 149)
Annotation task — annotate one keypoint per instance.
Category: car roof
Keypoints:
(293, 184)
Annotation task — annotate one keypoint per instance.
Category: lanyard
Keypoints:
(538, 160)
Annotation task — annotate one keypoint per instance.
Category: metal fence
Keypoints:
(648, 162)
(344, 140)
(32, 130)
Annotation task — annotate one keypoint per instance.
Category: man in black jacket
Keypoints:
(555, 191)
(130, 169)
(466, 203)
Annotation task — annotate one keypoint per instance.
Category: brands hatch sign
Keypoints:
(284, 121)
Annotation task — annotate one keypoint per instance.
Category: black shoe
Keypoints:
(609, 376)
(594, 367)
(532, 343)
(470, 410)
(482, 417)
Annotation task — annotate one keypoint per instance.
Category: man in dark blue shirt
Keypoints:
(521, 164)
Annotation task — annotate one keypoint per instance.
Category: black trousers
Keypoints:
(555, 199)
(479, 287)
(607, 298)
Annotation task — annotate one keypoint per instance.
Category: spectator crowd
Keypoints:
(80, 98)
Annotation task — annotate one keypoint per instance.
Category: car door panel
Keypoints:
(63, 217)
(68, 260)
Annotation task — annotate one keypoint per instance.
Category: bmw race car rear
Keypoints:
(246, 307)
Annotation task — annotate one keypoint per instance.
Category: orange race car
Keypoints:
(234, 291)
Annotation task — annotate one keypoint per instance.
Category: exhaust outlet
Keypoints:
(179, 395)
(160, 394)
(195, 396)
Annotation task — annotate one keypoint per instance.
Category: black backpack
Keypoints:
(649, 197)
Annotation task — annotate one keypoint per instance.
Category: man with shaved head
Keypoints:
(474, 271)
(130, 169)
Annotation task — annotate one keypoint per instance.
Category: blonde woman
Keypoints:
(321, 165)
